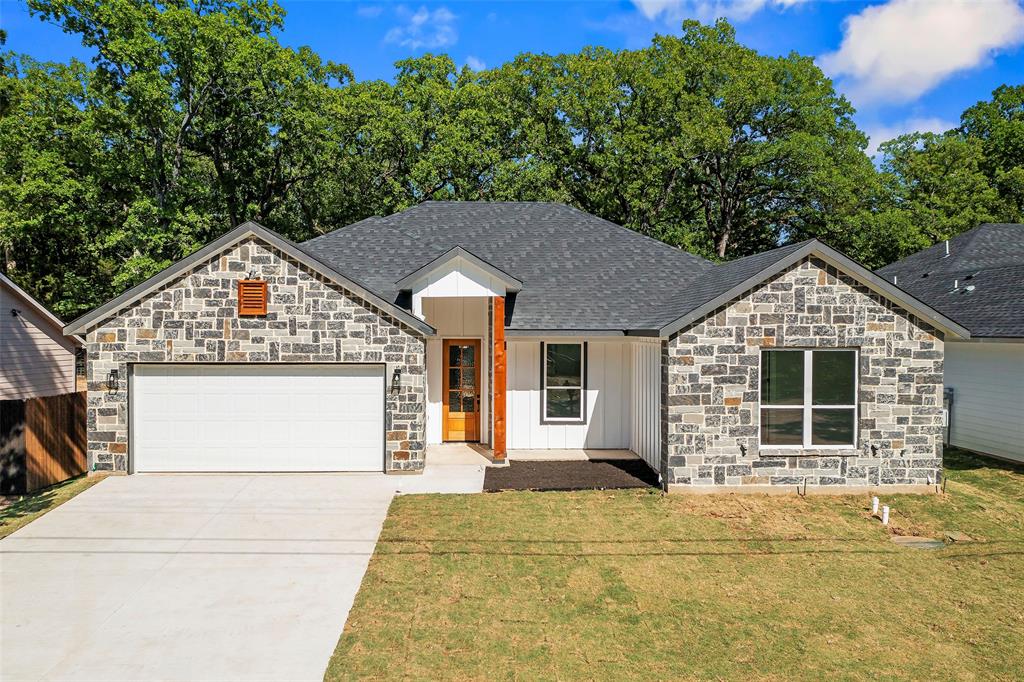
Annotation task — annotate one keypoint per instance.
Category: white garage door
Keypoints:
(189, 417)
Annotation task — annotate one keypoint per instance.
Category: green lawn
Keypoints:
(635, 584)
(28, 508)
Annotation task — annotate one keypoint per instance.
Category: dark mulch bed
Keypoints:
(595, 474)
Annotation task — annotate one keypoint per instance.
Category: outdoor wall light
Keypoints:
(15, 312)
(112, 382)
(396, 378)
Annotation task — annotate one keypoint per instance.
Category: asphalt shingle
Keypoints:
(980, 284)
(579, 272)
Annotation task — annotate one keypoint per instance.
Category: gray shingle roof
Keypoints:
(719, 280)
(579, 272)
(989, 258)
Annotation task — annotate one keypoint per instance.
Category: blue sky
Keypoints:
(905, 64)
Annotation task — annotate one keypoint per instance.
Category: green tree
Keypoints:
(937, 180)
(205, 121)
(999, 125)
(53, 197)
(696, 139)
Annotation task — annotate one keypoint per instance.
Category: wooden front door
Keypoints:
(461, 413)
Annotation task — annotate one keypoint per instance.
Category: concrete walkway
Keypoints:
(186, 577)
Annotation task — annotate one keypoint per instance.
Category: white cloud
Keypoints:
(369, 11)
(884, 132)
(423, 28)
(898, 51)
(475, 63)
(707, 10)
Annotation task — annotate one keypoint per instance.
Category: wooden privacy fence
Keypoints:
(48, 445)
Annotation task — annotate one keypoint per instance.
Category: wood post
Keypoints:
(500, 374)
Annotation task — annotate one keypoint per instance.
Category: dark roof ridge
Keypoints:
(649, 238)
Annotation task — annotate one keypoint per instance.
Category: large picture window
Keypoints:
(809, 398)
(563, 371)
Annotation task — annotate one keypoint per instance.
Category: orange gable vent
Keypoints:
(252, 297)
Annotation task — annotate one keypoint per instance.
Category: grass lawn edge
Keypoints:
(32, 505)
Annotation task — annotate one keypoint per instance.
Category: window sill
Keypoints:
(770, 451)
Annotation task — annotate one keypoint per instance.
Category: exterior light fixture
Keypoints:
(112, 382)
(396, 378)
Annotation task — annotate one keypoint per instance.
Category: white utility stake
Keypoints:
(885, 515)
(874, 505)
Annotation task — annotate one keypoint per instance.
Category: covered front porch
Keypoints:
(496, 395)
(547, 470)
(477, 453)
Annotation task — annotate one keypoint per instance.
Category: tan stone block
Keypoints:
(732, 402)
(145, 333)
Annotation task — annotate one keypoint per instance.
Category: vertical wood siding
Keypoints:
(609, 394)
(35, 359)
(988, 400)
(55, 439)
(645, 402)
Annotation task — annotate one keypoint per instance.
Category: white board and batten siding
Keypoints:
(622, 395)
(454, 318)
(36, 359)
(645, 401)
(988, 401)
(456, 279)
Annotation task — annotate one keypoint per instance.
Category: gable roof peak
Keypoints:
(87, 321)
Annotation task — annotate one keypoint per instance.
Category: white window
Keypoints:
(809, 398)
(562, 381)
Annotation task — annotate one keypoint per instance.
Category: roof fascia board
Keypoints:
(563, 332)
(244, 230)
(838, 260)
(882, 286)
(992, 339)
(40, 308)
(512, 284)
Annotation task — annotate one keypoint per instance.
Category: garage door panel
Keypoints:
(192, 417)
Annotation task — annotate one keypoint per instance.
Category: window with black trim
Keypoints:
(809, 398)
(563, 387)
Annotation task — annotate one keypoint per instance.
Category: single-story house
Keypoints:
(977, 279)
(518, 325)
(36, 357)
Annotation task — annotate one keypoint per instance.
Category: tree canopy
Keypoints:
(193, 117)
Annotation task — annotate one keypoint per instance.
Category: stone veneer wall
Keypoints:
(310, 319)
(710, 407)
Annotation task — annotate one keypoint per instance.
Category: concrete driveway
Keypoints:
(196, 577)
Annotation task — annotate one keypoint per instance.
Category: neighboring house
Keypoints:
(522, 326)
(977, 279)
(36, 357)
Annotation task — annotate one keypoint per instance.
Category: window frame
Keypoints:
(544, 418)
(807, 404)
